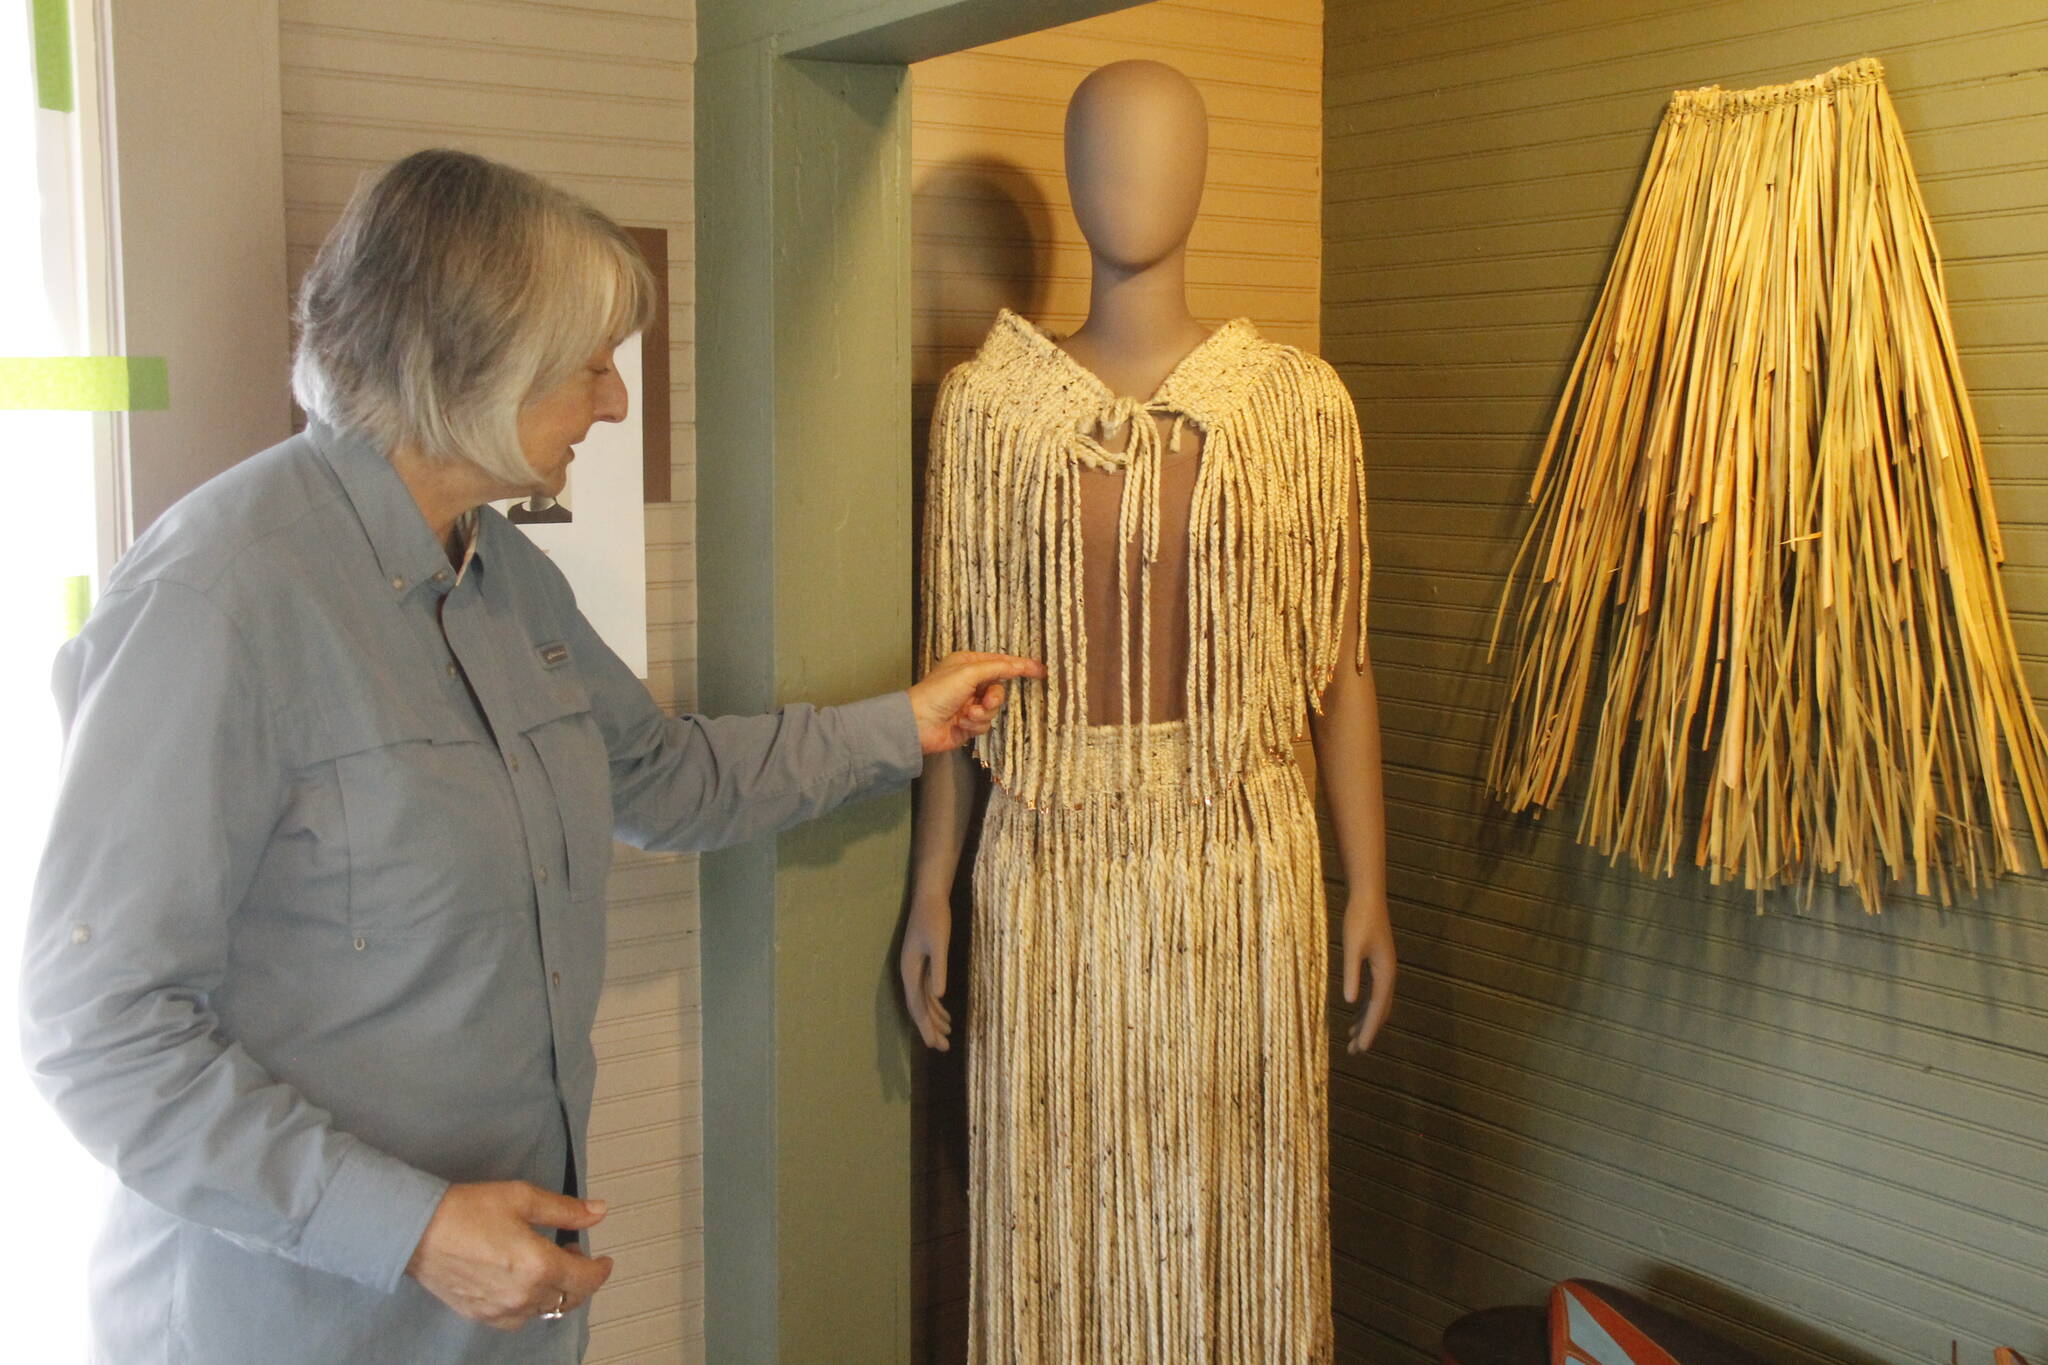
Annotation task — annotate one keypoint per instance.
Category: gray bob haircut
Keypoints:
(453, 290)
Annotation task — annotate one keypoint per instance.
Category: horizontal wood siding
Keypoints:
(993, 228)
(1824, 1135)
(597, 98)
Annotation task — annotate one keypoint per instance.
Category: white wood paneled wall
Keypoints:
(595, 96)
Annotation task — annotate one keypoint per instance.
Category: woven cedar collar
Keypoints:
(1207, 385)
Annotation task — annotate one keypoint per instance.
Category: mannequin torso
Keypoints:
(1137, 145)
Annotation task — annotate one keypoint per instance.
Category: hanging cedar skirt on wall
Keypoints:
(1762, 569)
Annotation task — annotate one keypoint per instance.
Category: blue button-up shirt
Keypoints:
(320, 924)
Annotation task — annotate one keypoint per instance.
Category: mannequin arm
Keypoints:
(1347, 742)
(945, 803)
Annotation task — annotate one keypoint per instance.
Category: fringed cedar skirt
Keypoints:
(1147, 1067)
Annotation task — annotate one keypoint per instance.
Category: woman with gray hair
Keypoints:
(318, 936)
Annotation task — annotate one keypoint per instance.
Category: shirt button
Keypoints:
(82, 934)
(540, 874)
(512, 762)
(453, 670)
(555, 977)
(399, 584)
(440, 575)
(361, 944)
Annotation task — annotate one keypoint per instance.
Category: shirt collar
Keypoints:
(407, 553)
(470, 527)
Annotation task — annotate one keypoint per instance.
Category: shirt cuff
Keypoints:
(886, 729)
(370, 1218)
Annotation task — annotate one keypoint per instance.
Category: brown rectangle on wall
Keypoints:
(654, 380)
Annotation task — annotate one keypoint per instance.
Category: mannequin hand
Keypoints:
(481, 1256)
(1368, 940)
(958, 700)
(926, 937)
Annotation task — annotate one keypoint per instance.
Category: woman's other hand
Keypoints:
(959, 698)
(481, 1256)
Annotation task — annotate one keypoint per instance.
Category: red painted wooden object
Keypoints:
(1597, 1324)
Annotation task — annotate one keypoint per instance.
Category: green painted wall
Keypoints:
(804, 590)
(803, 547)
(892, 32)
(805, 543)
(736, 640)
(1823, 1134)
(843, 542)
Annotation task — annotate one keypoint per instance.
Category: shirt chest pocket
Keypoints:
(412, 807)
(564, 735)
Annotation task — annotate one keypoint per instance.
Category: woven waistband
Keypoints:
(1151, 762)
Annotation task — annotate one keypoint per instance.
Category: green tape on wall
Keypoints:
(53, 54)
(84, 383)
(77, 603)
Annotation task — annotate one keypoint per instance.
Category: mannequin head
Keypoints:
(1137, 152)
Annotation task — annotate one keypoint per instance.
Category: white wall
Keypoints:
(199, 218)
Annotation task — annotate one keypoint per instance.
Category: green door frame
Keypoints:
(804, 594)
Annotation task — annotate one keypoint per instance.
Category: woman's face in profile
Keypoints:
(551, 424)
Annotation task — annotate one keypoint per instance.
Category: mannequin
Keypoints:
(1136, 154)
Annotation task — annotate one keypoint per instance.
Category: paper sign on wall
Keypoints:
(596, 532)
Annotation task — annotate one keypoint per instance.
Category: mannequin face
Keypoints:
(1137, 152)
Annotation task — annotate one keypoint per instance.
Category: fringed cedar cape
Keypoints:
(1145, 1028)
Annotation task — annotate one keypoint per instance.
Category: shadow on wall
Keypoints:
(981, 242)
(1682, 1292)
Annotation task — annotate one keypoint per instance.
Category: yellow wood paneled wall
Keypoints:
(1823, 1135)
(596, 96)
(993, 228)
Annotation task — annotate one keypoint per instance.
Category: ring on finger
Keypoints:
(561, 1307)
